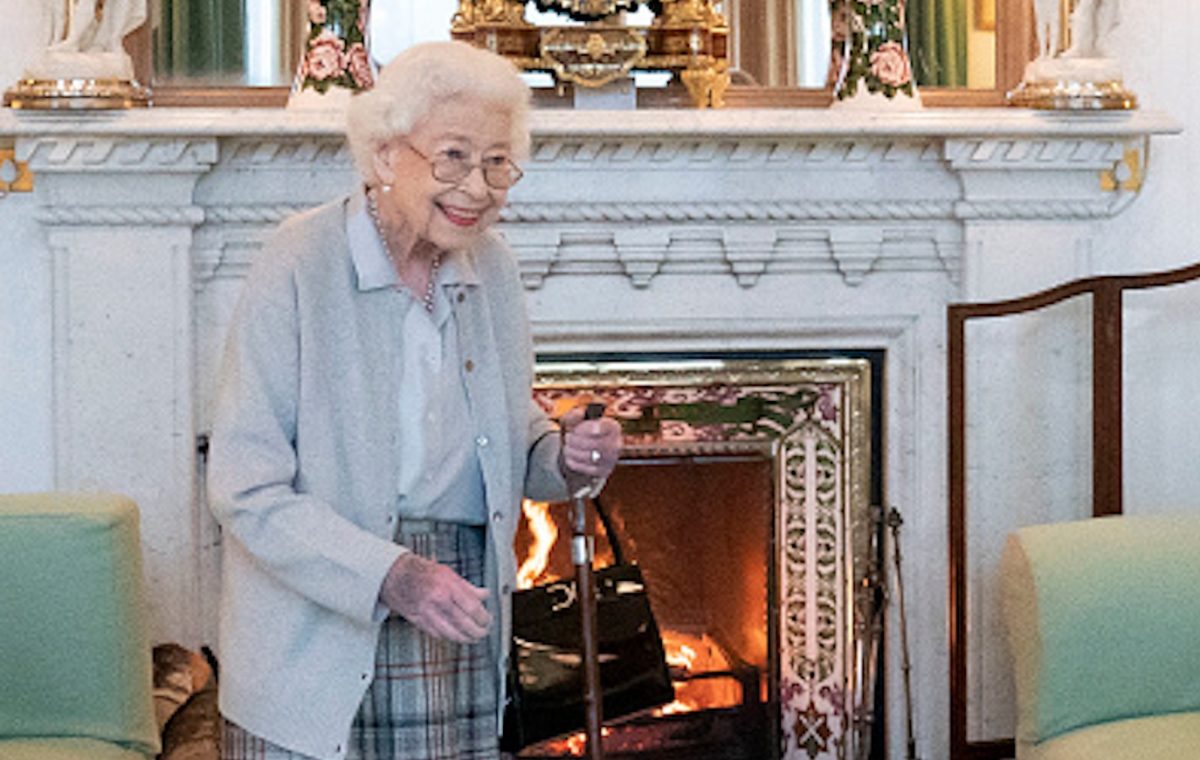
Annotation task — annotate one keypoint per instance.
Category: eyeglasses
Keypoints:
(452, 166)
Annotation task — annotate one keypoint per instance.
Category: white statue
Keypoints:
(1049, 30)
(94, 25)
(1081, 75)
(1091, 22)
(86, 39)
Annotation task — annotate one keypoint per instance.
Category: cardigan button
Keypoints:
(469, 365)
(462, 297)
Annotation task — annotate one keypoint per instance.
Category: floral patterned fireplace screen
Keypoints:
(810, 420)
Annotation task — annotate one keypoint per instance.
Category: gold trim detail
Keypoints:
(1070, 95)
(688, 37)
(22, 181)
(1127, 174)
(76, 94)
(592, 56)
(707, 85)
(692, 12)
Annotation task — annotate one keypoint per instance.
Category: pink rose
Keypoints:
(316, 12)
(326, 56)
(359, 64)
(889, 64)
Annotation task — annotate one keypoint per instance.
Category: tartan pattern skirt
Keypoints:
(430, 699)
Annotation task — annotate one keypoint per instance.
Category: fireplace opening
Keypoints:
(745, 495)
(700, 529)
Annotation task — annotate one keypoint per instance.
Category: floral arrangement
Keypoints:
(335, 54)
(870, 48)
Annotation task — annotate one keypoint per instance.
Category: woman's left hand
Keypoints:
(590, 447)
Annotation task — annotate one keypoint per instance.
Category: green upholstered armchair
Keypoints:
(1103, 620)
(75, 668)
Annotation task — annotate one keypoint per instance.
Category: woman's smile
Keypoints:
(460, 216)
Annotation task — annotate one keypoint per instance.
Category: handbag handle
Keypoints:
(610, 531)
(593, 411)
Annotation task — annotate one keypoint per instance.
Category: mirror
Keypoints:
(774, 43)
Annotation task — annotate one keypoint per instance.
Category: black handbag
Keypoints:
(545, 676)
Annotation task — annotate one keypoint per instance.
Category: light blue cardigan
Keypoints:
(303, 463)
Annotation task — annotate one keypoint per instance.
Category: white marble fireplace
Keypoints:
(651, 231)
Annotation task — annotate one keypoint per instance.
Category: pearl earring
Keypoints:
(386, 187)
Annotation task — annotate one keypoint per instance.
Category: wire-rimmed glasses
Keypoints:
(453, 166)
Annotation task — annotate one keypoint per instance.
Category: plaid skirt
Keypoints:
(430, 699)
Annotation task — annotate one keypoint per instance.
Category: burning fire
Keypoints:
(541, 563)
(545, 532)
(576, 744)
(688, 656)
(678, 654)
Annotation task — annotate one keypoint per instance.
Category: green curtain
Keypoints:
(200, 39)
(937, 42)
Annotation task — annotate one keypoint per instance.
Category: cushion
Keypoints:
(1160, 737)
(74, 656)
(65, 749)
(1102, 617)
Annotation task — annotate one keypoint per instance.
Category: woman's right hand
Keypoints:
(436, 599)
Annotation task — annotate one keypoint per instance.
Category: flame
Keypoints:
(544, 532)
(693, 653)
(676, 707)
(576, 744)
(689, 654)
(679, 654)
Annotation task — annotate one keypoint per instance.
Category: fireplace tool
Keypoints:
(894, 521)
(582, 545)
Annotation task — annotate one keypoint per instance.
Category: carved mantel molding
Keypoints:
(786, 175)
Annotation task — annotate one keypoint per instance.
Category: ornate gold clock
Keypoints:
(687, 37)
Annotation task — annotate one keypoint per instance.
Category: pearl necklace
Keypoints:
(431, 285)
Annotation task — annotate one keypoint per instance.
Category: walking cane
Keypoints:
(582, 545)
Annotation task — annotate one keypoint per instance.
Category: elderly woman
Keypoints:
(374, 434)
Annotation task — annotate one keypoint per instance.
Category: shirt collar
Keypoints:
(372, 267)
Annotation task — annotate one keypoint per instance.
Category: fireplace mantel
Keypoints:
(775, 181)
(645, 231)
(742, 122)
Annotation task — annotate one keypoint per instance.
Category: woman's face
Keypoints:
(448, 214)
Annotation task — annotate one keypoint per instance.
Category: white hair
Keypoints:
(417, 80)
